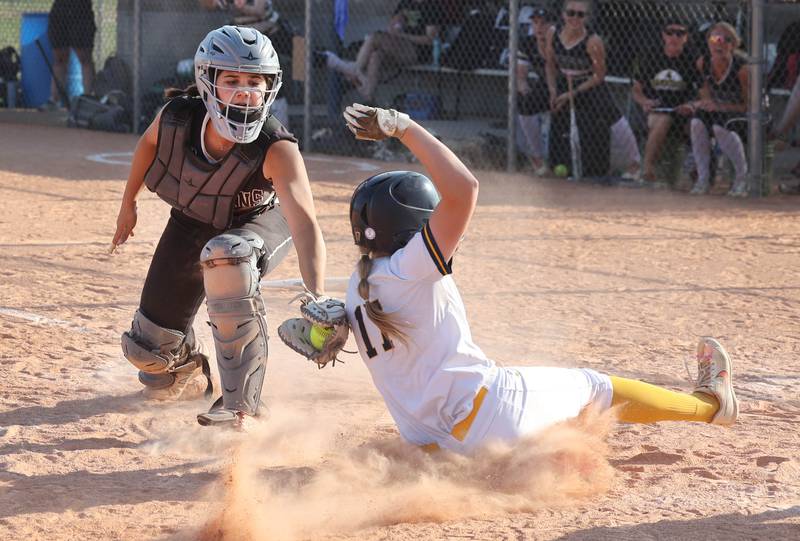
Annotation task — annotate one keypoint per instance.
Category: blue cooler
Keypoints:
(35, 74)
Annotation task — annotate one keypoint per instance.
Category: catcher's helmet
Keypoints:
(244, 50)
(387, 209)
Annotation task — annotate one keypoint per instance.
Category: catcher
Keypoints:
(412, 332)
(240, 199)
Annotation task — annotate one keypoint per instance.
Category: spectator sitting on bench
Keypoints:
(666, 81)
(407, 40)
(722, 106)
(532, 96)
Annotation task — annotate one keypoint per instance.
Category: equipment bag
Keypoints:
(115, 75)
(105, 114)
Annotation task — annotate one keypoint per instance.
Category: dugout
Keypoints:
(152, 36)
(171, 29)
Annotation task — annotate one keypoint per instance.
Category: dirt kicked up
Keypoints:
(619, 280)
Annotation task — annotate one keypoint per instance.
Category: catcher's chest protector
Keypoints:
(200, 190)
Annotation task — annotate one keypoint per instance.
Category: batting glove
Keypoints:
(373, 124)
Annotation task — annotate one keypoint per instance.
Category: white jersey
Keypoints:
(429, 384)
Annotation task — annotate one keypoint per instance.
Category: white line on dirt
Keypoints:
(289, 283)
(357, 164)
(113, 158)
(297, 283)
(125, 158)
(52, 243)
(36, 318)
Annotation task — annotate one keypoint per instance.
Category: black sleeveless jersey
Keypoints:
(574, 61)
(729, 89)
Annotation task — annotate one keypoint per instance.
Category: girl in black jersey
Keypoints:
(724, 96)
(220, 160)
(532, 94)
(572, 51)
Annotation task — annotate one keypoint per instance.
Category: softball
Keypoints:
(319, 334)
(560, 170)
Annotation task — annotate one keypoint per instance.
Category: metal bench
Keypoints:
(443, 72)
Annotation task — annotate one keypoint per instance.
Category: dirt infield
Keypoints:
(615, 279)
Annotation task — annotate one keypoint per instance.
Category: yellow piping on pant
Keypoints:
(461, 428)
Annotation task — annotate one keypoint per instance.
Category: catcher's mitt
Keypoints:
(324, 312)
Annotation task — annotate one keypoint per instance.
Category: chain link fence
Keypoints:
(445, 63)
(633, 123)
(638, 110)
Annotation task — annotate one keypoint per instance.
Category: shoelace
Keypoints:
(689, 377)
(304, 296)
(703, 371)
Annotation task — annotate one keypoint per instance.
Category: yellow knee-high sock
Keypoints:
(644, 403)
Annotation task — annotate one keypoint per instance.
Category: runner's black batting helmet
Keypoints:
(387, 209)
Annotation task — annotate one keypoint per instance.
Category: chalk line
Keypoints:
(36, 318)
(125, 158)
(289, 283)
(297, 283)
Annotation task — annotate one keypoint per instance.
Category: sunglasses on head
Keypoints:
(575, 13)
(678, 32)
(716, 38)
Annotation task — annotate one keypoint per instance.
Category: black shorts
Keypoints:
(71, 25)
(677, 127)
(735, 122)
(173, 290)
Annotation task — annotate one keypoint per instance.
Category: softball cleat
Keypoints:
(714, 378)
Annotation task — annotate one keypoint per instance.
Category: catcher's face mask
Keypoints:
(239, 102)
(238, 76)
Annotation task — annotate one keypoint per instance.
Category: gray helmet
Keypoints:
(236, 48)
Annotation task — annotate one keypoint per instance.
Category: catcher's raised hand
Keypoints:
(324, 312)
(373, 124)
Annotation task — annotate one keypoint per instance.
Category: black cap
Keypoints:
(539, 12)
(674, 19)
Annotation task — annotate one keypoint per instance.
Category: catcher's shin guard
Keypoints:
(166, 358)
(237, 316)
